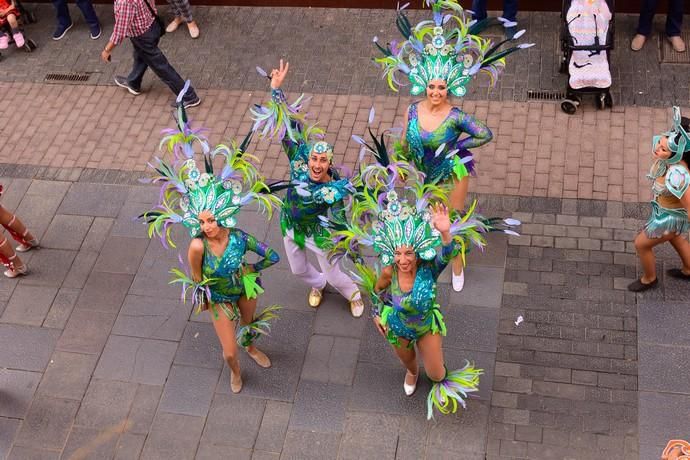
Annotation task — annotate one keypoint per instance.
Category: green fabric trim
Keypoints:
(251, 286)
(459, 169)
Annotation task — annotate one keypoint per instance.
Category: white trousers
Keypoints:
(330, 273)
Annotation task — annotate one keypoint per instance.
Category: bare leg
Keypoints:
(407, 357)
(16, 227)
(457, 201)
(430, 347)
(644, 246)
(12, 20)
(247, 309)
(8, 257)
(225, 330)
(682, 247)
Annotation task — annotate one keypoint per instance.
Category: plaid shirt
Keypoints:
(132, 18)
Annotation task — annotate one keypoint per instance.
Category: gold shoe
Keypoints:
(260, 358)
(357, 307)
(315, 297)
(235, 382)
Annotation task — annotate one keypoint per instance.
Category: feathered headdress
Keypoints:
(447, 47)
(678, 138)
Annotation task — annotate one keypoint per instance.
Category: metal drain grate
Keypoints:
(666, 53)
(545, 95)
(72, 77)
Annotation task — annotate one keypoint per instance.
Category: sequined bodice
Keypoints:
(227, 265)
(420, 299)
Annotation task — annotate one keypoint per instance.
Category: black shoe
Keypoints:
(95, 32)
(123, 83)
(678, 274)
(639, 286)
(187, 104)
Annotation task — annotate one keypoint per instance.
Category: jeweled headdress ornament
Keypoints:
(678, 138)
(447, 47)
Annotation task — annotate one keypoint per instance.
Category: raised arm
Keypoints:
(269, 256)
(477, 132)
(440, 219)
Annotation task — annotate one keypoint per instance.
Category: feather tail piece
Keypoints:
(247, 334)
(453, 390)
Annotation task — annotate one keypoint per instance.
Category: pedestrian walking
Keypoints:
(137, 19)
(27, 241)
(8, 16)
(509, 18)
(674, 23)
(183, 13)
(64, 20)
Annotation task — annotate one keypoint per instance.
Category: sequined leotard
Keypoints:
(423, 144)
(227, 268)
(415, 312)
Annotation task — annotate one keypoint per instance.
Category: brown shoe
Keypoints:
(315, 297)
(677, 43)
(235, 382)
(174, 24)
(638, 42)
(193, 29)
(260, 358)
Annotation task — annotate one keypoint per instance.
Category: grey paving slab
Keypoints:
(153, 277)
(656, 319)
(152, 317)
(659, 417)
(319, 407)
(104, 292)
(200, 347)
(101, 200)
(121, 255)
(333, 317)
(50, 268)
(264, 455)
(81, 269)
(144, 408)
(379, 388)
(143, 194)
(86, 331)
(127, 224)
(129, 446)
(61, 308)
(26, 347)
(483, 288)
(233, 420)
(18, 389)
(374, 348)
(213, 451)
(282, 288)
(89, 443)
(7, 286)
(37, 211)
(106, 404)
(8, 429)
(14, 190)
(189, 390)
(66, 232)
(306, 445)
(412, 437)
(273, 427)
(255, 223)
(23, 453)
(67, 375)
(462, 433)
(286, 347)
(48, 423)
(664, 368)
(369, 436)
(331, 359)
(471, 328)
(493, 255)
(99, 231)
(29, 305)
(136, 360)
(173, 436)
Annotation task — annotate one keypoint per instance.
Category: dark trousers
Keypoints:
(86, 8)
(147, 54)
(510, 9)
(674, 18)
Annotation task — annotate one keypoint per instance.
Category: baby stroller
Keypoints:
(25, 17)
(587, 38)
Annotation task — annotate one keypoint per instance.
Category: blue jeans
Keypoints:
(148, 54)
(510, 9)
(674, 18)
(86, 8)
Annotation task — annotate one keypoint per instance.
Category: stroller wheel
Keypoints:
(601, 101)
(30, 45)
(564, 66)
(608, 100)
(569, 106)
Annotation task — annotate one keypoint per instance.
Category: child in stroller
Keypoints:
(10, 31)
(587, 33)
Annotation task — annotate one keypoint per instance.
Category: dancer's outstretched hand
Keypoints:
(440, 218)
(278, 75)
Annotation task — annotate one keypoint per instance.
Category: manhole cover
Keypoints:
(71, 77)
(666, 53)
(545, 95)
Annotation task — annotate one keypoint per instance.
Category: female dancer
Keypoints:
(9, 258)
(221, 280)
(317, 192)
(670, 205)
(437, 62)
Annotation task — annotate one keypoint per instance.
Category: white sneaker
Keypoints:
(458, 280)
(409, 389)
(23, 270)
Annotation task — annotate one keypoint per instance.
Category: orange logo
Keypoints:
(676, 449)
